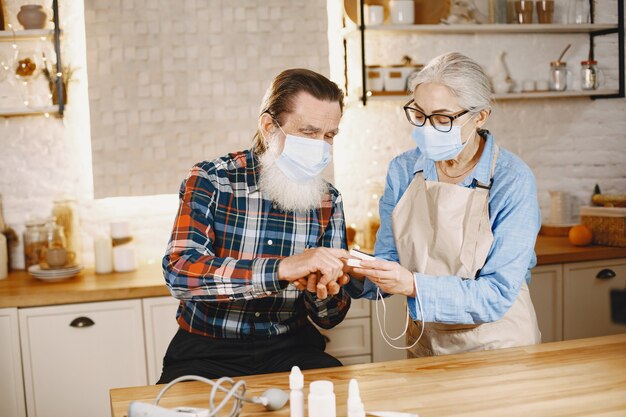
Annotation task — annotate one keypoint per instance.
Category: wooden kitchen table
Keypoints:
(585, 377)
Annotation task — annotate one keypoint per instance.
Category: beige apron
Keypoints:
(443, 229)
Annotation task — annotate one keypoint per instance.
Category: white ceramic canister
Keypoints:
(402, 12)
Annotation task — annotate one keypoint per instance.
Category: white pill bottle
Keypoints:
(322, 399)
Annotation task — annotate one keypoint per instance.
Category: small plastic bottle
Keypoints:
(355, 405)
(296, 396)
(322, 399)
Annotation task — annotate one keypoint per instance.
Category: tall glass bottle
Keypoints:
(9, 234)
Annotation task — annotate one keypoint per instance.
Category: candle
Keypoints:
(104, 255)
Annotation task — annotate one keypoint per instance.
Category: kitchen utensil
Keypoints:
(509, 80)
(564, 51)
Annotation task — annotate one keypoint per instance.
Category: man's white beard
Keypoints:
(287, 194)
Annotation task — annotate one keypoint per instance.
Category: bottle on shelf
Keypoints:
(9, 234)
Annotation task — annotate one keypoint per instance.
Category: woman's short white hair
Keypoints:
(463, 76)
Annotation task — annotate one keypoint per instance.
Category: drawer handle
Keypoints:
(606, 274)
(80, 322)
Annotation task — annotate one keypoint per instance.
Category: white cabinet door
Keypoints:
(587, 307)
(11, 383)
(74, 354)
(350, 338)
(546, 292)
(159, 315)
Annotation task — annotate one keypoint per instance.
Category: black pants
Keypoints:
(192, 354)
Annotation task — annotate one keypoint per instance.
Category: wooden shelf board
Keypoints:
(8, 35)
(13, 112)
(384, 95)
(495, 28)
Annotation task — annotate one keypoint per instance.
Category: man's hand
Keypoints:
(391, 277)
(318, 270)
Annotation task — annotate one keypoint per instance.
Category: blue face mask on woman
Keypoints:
(439, 146)
(302, 158)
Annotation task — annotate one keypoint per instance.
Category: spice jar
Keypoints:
(558, 75)
(34, 242)
(589, 79)
(64, 210)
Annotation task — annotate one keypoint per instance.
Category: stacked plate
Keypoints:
(55, 273)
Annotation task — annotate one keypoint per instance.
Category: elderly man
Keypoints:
(257, 244)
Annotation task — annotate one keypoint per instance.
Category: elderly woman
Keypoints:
(459, 219)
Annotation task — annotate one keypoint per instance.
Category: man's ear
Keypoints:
(266, 125)
(482, 117)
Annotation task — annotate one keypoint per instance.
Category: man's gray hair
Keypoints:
(463, 76)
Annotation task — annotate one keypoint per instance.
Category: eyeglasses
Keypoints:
(441, 122)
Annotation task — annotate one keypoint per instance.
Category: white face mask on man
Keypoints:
(303, 159)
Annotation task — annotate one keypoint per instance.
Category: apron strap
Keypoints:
(494, 158)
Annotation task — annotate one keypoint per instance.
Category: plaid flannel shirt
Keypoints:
(227, 242)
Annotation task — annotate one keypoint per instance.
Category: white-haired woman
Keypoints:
(459, 219)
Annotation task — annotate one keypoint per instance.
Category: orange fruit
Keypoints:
(580, 235)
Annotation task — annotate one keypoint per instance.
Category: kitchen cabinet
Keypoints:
(160, 325)
(74, 354)
(546, 292)
(587, 307)
(591, 30)
(18, 37)
(572, 300)
(11, 382)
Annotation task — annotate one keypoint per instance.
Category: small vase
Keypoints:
(32, 16)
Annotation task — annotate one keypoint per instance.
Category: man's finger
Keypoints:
(322, 291)
(311, 284)
(343, 280)
(333, 288)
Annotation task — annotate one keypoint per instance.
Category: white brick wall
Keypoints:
(183, 83)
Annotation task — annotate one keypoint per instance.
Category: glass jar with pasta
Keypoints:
(66, 214)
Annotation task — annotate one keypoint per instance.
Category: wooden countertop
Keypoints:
(22, 290)
(585, 377)
(556, 250)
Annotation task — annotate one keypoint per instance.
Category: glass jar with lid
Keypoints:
(54, 235)
(589, 79)
(34, 242)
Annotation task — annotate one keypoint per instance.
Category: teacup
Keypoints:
(58, 257)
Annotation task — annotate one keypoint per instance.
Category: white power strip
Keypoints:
(139, 409)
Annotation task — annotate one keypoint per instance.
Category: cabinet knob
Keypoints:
(80, 322)
(606, 274)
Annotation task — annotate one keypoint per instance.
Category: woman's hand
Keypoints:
(390, 277)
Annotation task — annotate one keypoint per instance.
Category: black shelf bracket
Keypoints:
(57, 49)
(620, 42)
(363, 67)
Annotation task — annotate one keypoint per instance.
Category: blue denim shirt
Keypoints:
(515, 222)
